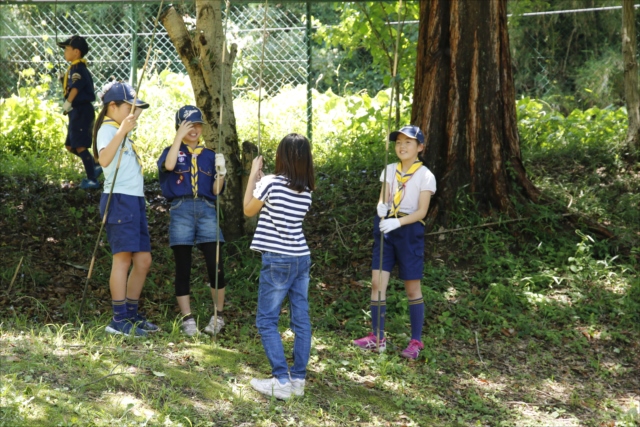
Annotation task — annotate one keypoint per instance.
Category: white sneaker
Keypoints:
(189, 327)
(272, 387)
(297, 387)
(212, 328)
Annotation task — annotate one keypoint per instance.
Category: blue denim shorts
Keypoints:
(127, 228)
(193, 221)
(403, 246)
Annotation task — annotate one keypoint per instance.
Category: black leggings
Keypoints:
(182, 256)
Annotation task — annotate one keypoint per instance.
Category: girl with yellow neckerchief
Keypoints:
(126, 224)
(191, 178)
(404, 201)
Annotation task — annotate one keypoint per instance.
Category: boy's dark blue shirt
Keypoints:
(79, 77)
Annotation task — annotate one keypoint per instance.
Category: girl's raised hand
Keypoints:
(183, 130)
(256, 168)
(130, 122)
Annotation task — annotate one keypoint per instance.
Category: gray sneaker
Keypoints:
(212, 328)
(189, 327)
(272, 387)
(297, 387)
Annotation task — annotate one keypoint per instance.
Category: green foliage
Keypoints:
(585, 149)
(349, 131)
(30, 124)
(357, 52)
(561, 57)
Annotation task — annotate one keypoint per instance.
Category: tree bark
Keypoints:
(202, 55)
(464, 101)
(631, 74)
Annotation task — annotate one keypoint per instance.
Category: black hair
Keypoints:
(295, 162)
(98, 124)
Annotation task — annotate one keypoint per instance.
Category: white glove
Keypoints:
(382, 209)
(221, 170)
(388, 225)
(66, 107)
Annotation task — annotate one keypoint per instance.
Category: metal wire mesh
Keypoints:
(552, 57)
(118, 37)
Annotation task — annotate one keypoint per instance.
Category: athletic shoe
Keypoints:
(142, 323)
(89, 184)
(413, 349)
(98, 171)
(126, 328)
(370, 343)
(212, 328)
(272, 387)
(297, 387)
(189, 327)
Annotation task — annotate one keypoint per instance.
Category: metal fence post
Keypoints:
(133, 75)
(309, 94)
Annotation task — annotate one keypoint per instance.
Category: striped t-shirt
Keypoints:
(280, 224)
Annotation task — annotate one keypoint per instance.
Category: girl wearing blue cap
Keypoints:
(398, 226)
(191, 177)
(126, 222)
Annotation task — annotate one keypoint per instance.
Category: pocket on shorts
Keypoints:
(119, 215)
(209, 203)
(279, 273)
(175, 204)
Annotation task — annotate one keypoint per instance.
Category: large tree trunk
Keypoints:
(631, 73)
(464, 101)
(202, 57)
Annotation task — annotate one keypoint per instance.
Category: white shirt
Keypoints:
(422, 180)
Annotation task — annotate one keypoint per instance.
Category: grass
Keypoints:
(530, 323)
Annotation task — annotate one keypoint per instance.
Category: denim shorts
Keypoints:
(193, 221)
(403, 246)
(127, 228)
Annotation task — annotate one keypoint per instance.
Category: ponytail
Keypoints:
(98, 124)
(96, 128)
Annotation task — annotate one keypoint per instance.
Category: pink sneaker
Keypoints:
(369, 343)
(413, 349)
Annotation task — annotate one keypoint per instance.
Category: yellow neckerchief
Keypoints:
(66, 75)
(109, 121)
(402, 181)
(195, 152)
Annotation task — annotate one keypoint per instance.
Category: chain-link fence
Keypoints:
(119, 35)
(558, 52)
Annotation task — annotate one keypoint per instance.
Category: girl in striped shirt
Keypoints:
(283, 199)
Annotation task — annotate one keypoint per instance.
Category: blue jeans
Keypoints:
(193, 221)
(282, 276)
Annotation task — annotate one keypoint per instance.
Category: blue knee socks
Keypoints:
(119, 310)
(416, 315)
(381, 309)
(89, 164)
(132, 308)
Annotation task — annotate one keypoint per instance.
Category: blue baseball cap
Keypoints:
(411, 131)
(121, 91)
(189, 113)
(76, 42)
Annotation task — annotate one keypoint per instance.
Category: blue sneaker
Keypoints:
(98, 170)
(89, 184)
(141, 322)
(126, 328)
